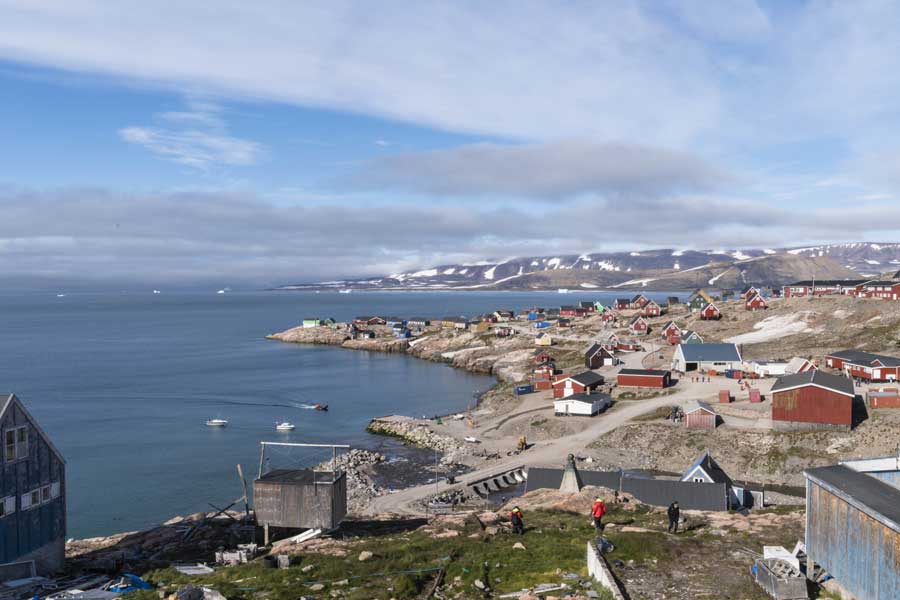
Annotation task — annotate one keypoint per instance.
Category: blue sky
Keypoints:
(280, 141)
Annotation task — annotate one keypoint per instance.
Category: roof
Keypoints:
(622, 301)
(9, 400)
(695, 405)
(594, 349)
(710, 467)
(797, 363)
(297, 477)
(585, 378)
(644, 372)
(834, 383)
(864, 492)
(709, 352)
(586, 398)
(635, 319)
(888, 283)
(829, 282)
(864, 358)
(670, 324)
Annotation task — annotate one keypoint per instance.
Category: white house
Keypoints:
(581, 405)
(768, 369)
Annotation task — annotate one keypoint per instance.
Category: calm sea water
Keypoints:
(123, 383)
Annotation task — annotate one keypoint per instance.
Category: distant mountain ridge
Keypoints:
(659, 269)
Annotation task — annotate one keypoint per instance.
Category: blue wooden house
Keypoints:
(32, 491)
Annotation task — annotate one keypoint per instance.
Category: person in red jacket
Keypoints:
(597, 512)
(515, 517)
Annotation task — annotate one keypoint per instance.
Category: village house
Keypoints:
(571, 311)
(541, 356)
(865, 366)
(706, 357)
(886, 290)
(577, 384)
(611, 342)
(638, 325)
(812, 400)
(622, 304)
(564, 323)
(597, 357)
(799, 365)
(706, 470)
(710, 312)
(368, 321)
(543, 339)
(750, 291)
(504, 331)
(700, 415)
(363, 334)
(581, 405)
(756, 302)
(698, 300)
(689, 336)
(504, 316)
(394, 321)
(624, 345)
(543, 376)
(823, 287)
(33, 488)
(551, 313)
(608, 316)
(310, 323)
(419, 322)
(639, 301)
(766, 368)
(651, 309)
(672, 301)
(650, 378)
(587, 306)
(670, 330)
(455, 323)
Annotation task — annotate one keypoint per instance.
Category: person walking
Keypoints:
(515, 517)
(674, 515)
(597, 512)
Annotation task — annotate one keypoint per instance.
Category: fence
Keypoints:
(657, 492)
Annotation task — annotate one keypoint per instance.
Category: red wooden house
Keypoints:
(749, 292)
(651, 309)
(756, 302)
(865, 365)
(576, 384)
(639, 301)
(638, 325)
(710, 312)
(671, 332)
(608, 316)
(700, 415)
(887, 290)
(622, 304)
(541, 356)
(588, 306)
(543, 376)
(572, 311)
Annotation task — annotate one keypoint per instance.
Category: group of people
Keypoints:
(598, 511)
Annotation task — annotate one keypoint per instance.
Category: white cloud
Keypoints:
(195, 138)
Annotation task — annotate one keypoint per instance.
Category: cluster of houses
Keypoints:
(860, 288)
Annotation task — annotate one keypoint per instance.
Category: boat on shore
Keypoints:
(285, 426)
(217, 423)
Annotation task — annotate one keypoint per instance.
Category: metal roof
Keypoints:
(864, 492)
(646, 372)
(835, 383)
(829, 282)
(586, 378)
(695, 405)
(710, 352)
(710, 467)
(298, 477)
(861, 357)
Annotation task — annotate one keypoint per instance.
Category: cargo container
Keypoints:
(523, 389)
(755, 396)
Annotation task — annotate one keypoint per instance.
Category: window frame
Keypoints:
(18, 449)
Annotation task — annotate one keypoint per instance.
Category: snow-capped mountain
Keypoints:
(663, 269)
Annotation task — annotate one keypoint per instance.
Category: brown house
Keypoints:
(812, 400)
(597, 356)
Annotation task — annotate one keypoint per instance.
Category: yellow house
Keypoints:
(543, 339)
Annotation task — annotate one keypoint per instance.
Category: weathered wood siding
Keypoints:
(300, 505)
(860, 552)
(26, 531)
(700, 419)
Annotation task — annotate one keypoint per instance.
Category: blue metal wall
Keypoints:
(25, 531)
(860, 552)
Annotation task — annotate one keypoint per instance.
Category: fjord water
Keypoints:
(123, 383)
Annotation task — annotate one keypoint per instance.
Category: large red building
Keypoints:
(865, 365)
(577, 384)
(644, 378)
(812, 400)
(823, 287)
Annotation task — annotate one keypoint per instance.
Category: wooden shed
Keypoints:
(597, 356)
(883, 398)
(699, 415)
(300, 498)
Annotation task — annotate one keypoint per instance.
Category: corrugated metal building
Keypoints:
(853, 530)
(812, 400)
(32, 492)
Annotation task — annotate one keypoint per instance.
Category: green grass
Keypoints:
(405, 564)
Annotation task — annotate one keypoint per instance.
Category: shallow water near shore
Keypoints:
(123, 383)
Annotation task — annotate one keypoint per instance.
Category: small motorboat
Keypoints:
(157, 292)
(221, 292)
(60, 295)
(217, 423)
(345, 291)
(284, 426)
(320, 406)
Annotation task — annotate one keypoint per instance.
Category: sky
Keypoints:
(256, 144)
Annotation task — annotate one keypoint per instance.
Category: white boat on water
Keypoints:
(345, 291)
(157, 292)
(562, 291)
(284, 426)
(221, 292)
(217, 423)
(60, 295)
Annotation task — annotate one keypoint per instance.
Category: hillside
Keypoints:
(661, 269)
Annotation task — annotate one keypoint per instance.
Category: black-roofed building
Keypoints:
(811, 400)
(597, 356)
(823, 287)
(865, 365)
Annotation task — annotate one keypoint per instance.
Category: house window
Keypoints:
(35, 498)
(699, 480)
(16, 442)
(45, 494)
(7, 506)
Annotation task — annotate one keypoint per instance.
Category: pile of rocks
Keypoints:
(357, 464)
(419, 434)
